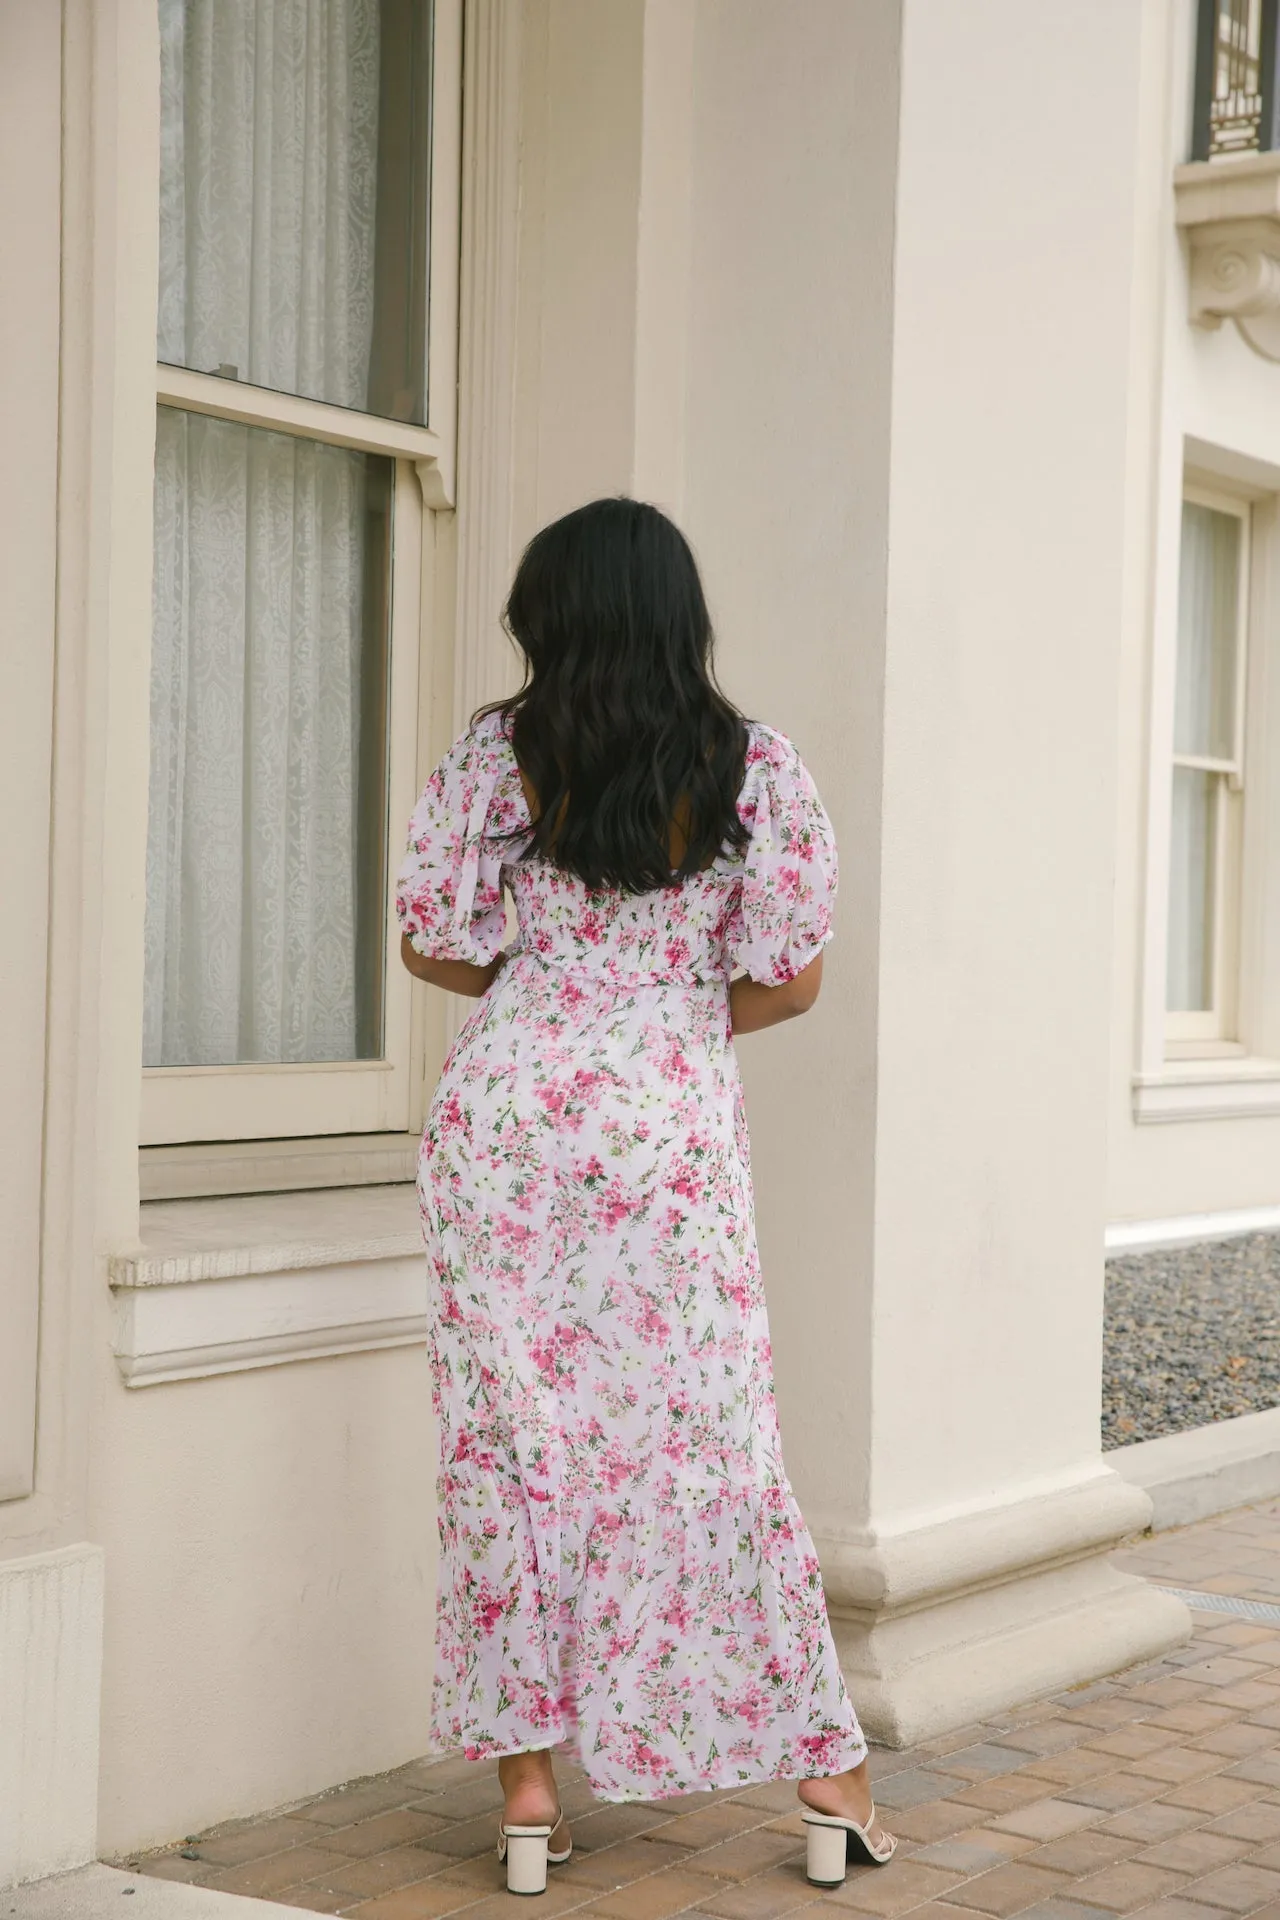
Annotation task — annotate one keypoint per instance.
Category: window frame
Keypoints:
(382, 1097)
(1215, 1031)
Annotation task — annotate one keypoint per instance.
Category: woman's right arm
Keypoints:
(753, 1005)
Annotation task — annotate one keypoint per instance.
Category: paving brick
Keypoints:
(763, 1898)
(983, 1761)
(654, 1898)
(975, 1852)
(1153, 1820)
(357, 1802)
(1195, 1717)
(1216, 1794)
(934, 1822)
(779, 1796)
(1082, 1853)
(1061, 1909)
(710, 1825)
(1043, 1737)
(374, 1873)
(1181, 1763)
(617, 1866)
(276, 1871)
(1009, 1889)
(610, 1825)
(1127, 1885)
(1001, 1796)
(1132, 1742)
(254, 1839)
(315, 1902)
(398, 1828)
(1240, 1738)
(1222, 1670)
(1268, 1857)
(893, 1890)
(427, 1900)
(1240, 1889)
(1069, 1769)
(1257, 1820)
(1196, 1852)
(912, 1788)
(1180, 1907)
(1263, 1768)
(558, 1898)
(1046, 1819)
(1114, 1790)
(747, 1854)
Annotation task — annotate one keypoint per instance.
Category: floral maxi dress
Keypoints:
(624, 1572)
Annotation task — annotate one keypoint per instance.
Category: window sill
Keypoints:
(276, 1166)
(221, 1286)
(1245, 1087)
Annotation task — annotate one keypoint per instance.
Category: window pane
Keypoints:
(1208, 630)
(266, 873)
(295, 166)
(1192, 885)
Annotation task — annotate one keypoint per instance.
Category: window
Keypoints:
(296, 422)
(1206, 830)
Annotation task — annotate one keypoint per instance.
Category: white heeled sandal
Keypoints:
(527, 1852)
(832, 1841)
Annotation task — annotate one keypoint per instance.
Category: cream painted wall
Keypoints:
(933, 1114)
(30, 184)
(1208, 386)
(270, 1545)
(580, 158)
(794, 154)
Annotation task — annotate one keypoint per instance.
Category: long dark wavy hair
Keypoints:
(619, 728)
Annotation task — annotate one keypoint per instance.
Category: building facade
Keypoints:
(948, 333)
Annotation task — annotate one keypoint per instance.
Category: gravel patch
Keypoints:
(1192, 1335)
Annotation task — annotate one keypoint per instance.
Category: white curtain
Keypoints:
(1204, 726)
(1208, 605)
(269, 146)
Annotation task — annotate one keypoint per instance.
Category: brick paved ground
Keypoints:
(1157, 1792)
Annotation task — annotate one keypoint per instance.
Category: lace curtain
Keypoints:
(1204, 727)
(269, 159)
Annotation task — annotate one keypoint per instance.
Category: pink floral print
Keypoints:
(624, 1571)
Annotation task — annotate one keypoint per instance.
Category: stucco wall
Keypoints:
(1188, 384)
(270, 1546)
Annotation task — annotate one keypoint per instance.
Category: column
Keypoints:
(912, 248)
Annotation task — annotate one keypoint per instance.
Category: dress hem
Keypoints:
(738, 1783)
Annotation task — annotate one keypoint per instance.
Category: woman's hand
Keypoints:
(456, 976)
(753, 1005)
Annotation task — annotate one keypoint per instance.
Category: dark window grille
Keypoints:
(1235, 99)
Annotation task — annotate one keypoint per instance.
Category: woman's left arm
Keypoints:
(457, 976)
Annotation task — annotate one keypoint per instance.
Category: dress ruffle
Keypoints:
(679, 1643)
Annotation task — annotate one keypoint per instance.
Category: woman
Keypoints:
(624, 1572)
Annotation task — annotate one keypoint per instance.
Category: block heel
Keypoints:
(527, 1851)
(832, 1842)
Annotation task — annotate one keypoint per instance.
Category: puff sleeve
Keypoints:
(449, 889)
(782, 917)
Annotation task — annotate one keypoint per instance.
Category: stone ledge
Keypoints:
(94, 1893)
(1207, 1470)
(222, 1286)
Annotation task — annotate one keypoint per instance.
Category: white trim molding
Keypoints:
(1206, 1470)
(961, 1617)
(1230, 211)
(1188, 1229)
(222, 1286)
(1236, 1088)
(487, 347)
(50, 1685)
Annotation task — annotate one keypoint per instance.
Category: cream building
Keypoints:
(965, 389)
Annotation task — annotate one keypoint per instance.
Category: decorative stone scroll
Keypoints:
(1230, 211)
